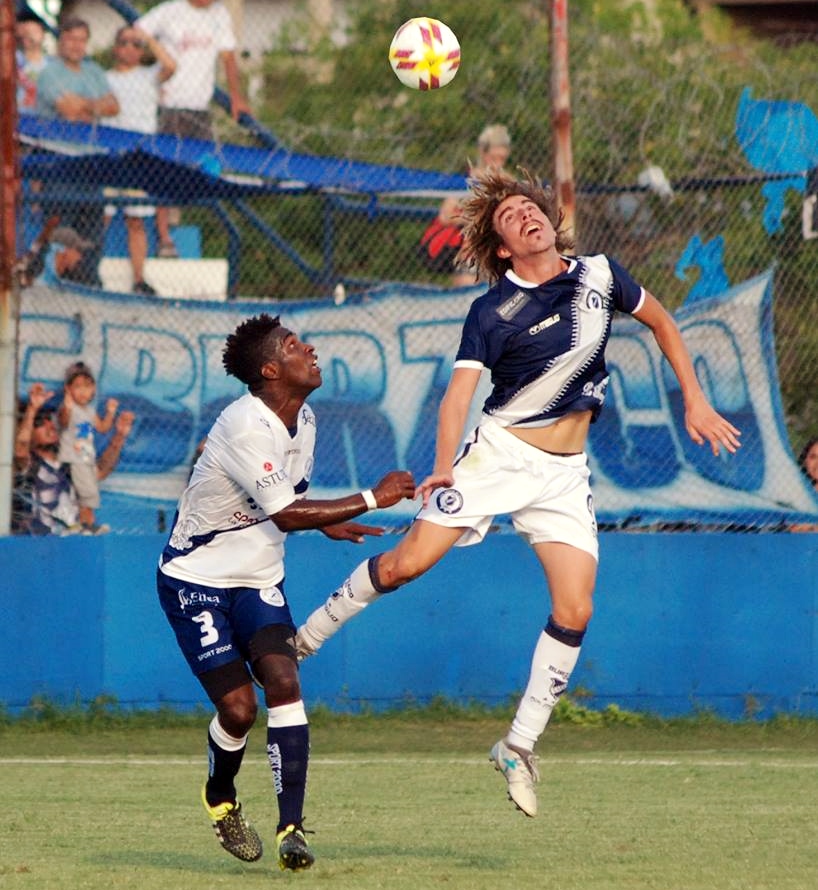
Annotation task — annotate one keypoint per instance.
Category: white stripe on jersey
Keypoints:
(588, 337)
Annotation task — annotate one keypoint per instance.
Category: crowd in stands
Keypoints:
(162, 80)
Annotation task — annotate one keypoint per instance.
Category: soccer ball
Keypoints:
(424, 54)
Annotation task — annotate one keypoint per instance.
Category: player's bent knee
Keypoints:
(576, 616)
(238, 717)
(396, 569)
(238, 709)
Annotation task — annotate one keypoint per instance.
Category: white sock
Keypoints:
(551, 667)
(223, 738)
(355, 594)
(293, 714)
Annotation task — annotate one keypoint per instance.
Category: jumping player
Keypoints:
(541, 329)
(221, 574)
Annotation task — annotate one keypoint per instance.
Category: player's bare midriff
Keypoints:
(566, 436)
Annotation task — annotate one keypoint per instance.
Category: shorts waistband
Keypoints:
(504, 439)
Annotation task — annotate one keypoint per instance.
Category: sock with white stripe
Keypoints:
(288, 752)
(554, 659)
(224, 756)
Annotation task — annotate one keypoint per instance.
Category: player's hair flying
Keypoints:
(480, 241)
(254, 342)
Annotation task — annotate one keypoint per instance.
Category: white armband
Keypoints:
(369, 499)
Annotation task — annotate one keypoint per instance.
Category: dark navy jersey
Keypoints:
(545, 344)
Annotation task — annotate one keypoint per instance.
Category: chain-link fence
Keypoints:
(691, 152)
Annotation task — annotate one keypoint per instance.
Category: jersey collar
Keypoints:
(521, 282)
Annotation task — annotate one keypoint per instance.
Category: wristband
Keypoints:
(369, 499)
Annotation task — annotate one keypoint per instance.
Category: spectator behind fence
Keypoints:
(197, 33)
(136, 87)
(443, 237)
(45, 500)
(808, 461)
(31, 60)
(78, 421)
(54, 254)
(74, 88)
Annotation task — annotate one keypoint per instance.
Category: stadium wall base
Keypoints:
(684, 622)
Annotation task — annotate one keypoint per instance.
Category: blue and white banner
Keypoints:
(386, 359)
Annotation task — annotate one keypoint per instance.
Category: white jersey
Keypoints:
(194, 36)
(137, 92)
(252, 466)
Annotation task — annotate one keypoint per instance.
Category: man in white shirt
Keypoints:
(136, 87)
(197, 33)
(221, 574)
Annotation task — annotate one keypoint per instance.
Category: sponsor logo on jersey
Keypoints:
(267, 466)
(183, 532)
(449, 501)
(239, 518)
(272, 596)
(270, 479)
(513, 305)
(545, 323)
(596, 390)
(307, 416)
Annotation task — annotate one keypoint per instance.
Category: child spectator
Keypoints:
(45, 499)
(78, 420)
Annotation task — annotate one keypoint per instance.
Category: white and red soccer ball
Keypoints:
(424, 54)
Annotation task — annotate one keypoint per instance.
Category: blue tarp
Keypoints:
(169, 167)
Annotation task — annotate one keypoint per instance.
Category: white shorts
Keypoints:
(547, 496)
(143, 210)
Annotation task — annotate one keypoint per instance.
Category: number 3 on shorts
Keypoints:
(209, 633)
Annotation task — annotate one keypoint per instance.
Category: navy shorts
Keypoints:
(214, 625)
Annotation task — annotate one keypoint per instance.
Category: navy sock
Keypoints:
(288, 751)
(223, 767)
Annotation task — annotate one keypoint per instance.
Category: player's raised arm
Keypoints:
(702, 421)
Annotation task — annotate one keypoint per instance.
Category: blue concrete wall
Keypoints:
(683, 621)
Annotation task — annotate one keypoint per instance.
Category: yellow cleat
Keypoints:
(234, 832)
(293, 852)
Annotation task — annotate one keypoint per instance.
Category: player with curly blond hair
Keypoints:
(541, 329)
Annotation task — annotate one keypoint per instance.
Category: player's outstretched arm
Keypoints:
(451, 421)
(702, 421)
(305, 513)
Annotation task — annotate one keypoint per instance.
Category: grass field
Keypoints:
(410, 801)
